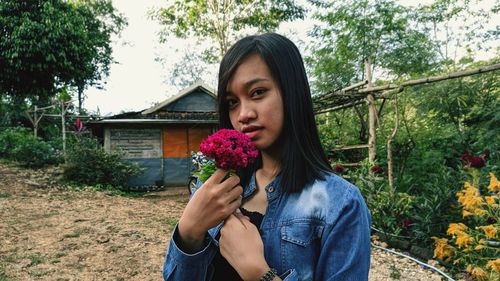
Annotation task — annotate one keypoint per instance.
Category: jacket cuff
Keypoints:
(181, 257)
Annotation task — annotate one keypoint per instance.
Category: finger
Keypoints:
(235, 204)
(229, 183)
(240, 215)
(217, 177)
(238, 218)
(234, 193)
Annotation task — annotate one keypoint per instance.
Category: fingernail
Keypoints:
(238, 211)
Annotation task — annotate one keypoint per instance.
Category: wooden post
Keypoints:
(63, 128)
(35, 119)
(390, 162)
(372, 116)
(35, 124)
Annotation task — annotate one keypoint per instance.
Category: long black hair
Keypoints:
(303, 159)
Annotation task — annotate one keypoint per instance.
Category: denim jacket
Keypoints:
(321, 233)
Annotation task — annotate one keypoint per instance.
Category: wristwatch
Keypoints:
(269, 276)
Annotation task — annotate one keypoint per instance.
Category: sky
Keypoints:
(138, 80)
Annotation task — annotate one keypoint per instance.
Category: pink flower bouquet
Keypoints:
(230, 150)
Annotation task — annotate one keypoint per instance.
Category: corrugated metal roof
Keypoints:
(154, 121)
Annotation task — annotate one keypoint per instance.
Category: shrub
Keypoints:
(390, 209)
(20, 145)
(88, 163)
(474, 243)
(435, 202)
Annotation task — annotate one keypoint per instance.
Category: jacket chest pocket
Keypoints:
(300, 246)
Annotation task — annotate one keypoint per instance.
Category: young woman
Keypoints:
(288, 217)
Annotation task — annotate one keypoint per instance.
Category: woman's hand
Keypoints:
(211, 204)
(241, 245)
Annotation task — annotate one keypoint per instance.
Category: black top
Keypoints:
(223, 270)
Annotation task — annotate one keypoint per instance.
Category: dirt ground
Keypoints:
(48, 232)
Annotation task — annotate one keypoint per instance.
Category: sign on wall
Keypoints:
(135, 143)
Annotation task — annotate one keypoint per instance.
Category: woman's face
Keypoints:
(255, 104)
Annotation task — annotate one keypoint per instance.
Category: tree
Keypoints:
(48, 44)
(216, 24)
(461, 27)
(379, 31)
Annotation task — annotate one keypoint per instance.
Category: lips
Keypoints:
(251, 130)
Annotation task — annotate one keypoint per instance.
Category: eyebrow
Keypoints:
(249, 83)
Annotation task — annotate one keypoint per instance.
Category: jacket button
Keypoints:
(271, 189)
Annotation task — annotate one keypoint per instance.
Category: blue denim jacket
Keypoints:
(321, 233)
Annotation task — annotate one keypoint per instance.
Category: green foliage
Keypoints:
(206, 171)
(220, 21)
(389, 208)
(381, 32)
(19, 144)
(47, 44)
(214, 25)
(438, 122)
(88, 163)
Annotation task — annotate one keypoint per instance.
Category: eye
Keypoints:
(231, 103)
(258, 92)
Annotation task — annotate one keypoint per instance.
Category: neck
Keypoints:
(271, 165)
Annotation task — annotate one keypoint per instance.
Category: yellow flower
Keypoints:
(454, 228)
(466, 213)
(468, 185)
(494, 265)
(489, 230)
(479, 274)
(479, 212)
(470, 198)
(463, 239)
(442, 250)
(494, 183)
(479, 247)
(491, 201)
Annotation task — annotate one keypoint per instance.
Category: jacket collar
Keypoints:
(272, 189)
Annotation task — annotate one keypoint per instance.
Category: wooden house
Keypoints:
(160, 139)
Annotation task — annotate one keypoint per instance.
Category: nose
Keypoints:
(247, 113)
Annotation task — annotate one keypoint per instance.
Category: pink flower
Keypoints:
(78, 125)
(339, 169)
(230, 149)
(377, 169)
(473, 161)
(406, 222)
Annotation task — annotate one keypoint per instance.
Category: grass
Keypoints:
(78, 232)
(4, 195)
(12, 258)
(57, 256)
(115, 248)
(395, 273)
(40, 273)
(109, 189)
(3, 275)
(172, 222)
(36, 259)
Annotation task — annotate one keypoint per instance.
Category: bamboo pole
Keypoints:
(349, 147)
(427, 80)
(35, 119)
(372, 116)
(343, 91)
(63, 128)
(390, 165)
(433, 79)
(339, 107)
